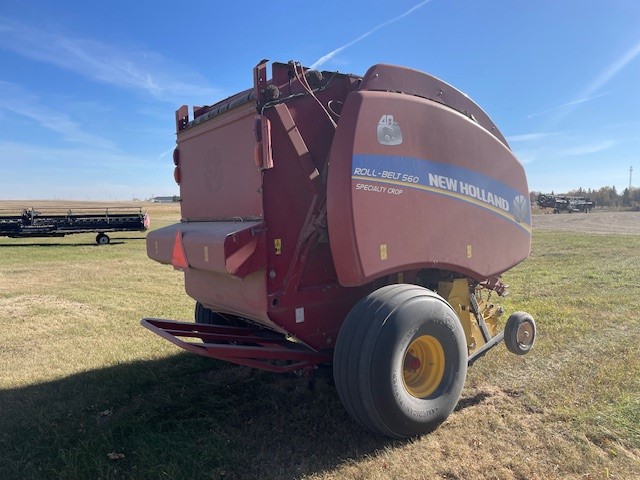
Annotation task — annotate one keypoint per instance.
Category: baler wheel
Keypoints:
(423, 366)
(520, 333)
(400, 361)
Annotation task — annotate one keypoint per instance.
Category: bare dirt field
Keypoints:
(624, 223)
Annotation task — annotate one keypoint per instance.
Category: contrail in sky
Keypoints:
(601, 80)
(612, 70)
(333, 53)
(568, 104)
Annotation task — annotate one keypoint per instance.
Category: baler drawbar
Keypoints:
(358, 222)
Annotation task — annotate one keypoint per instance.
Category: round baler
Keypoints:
(362, 222)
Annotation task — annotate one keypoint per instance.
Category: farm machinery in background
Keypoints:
(58, 222)
(359, 222)
(565, 203)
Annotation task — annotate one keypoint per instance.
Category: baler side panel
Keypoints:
(444, 193)
(304, 295)
(392, 78)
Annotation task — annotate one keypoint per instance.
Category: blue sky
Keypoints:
(88, 90)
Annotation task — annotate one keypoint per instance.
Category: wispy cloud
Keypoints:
(83, 158)
(609, 72)
(166, 153)
(127, 68)
(18, 101)
(567, 104)
(335, 52)
(588, 148)
(557, 146)
(80, 172)
(587, 94)
(528, 137)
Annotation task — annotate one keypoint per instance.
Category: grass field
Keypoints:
(87, 393)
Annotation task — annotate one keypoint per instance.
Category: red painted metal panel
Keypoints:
(220, 180)
(436, 190)
(236, 248)
(221, 292)
(391, 78)
(304, 296)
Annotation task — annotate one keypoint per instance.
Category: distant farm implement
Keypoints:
(565, 203)
(58, 222)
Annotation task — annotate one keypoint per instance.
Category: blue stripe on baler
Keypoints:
(445, 179)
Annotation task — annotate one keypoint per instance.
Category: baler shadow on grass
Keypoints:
(184, 416)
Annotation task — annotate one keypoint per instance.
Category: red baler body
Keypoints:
(295, 207)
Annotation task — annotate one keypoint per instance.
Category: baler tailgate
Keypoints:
(249, 346)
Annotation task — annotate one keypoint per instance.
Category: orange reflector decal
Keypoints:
(257, 155)
(178, 257)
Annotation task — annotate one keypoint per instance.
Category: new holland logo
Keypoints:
(212, 176)
(521, 209)
(389, 132)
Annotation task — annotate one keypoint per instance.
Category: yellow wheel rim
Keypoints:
(423, 366)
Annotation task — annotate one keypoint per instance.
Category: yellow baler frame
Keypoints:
(479, 319)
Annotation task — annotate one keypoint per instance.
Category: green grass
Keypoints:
(586, 291)
(81, 379)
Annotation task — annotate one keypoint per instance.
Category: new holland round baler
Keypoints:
(359, 222)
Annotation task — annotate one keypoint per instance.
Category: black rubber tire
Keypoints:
(102, 239)
(369, 354)
(203, 315)
(511, 328)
